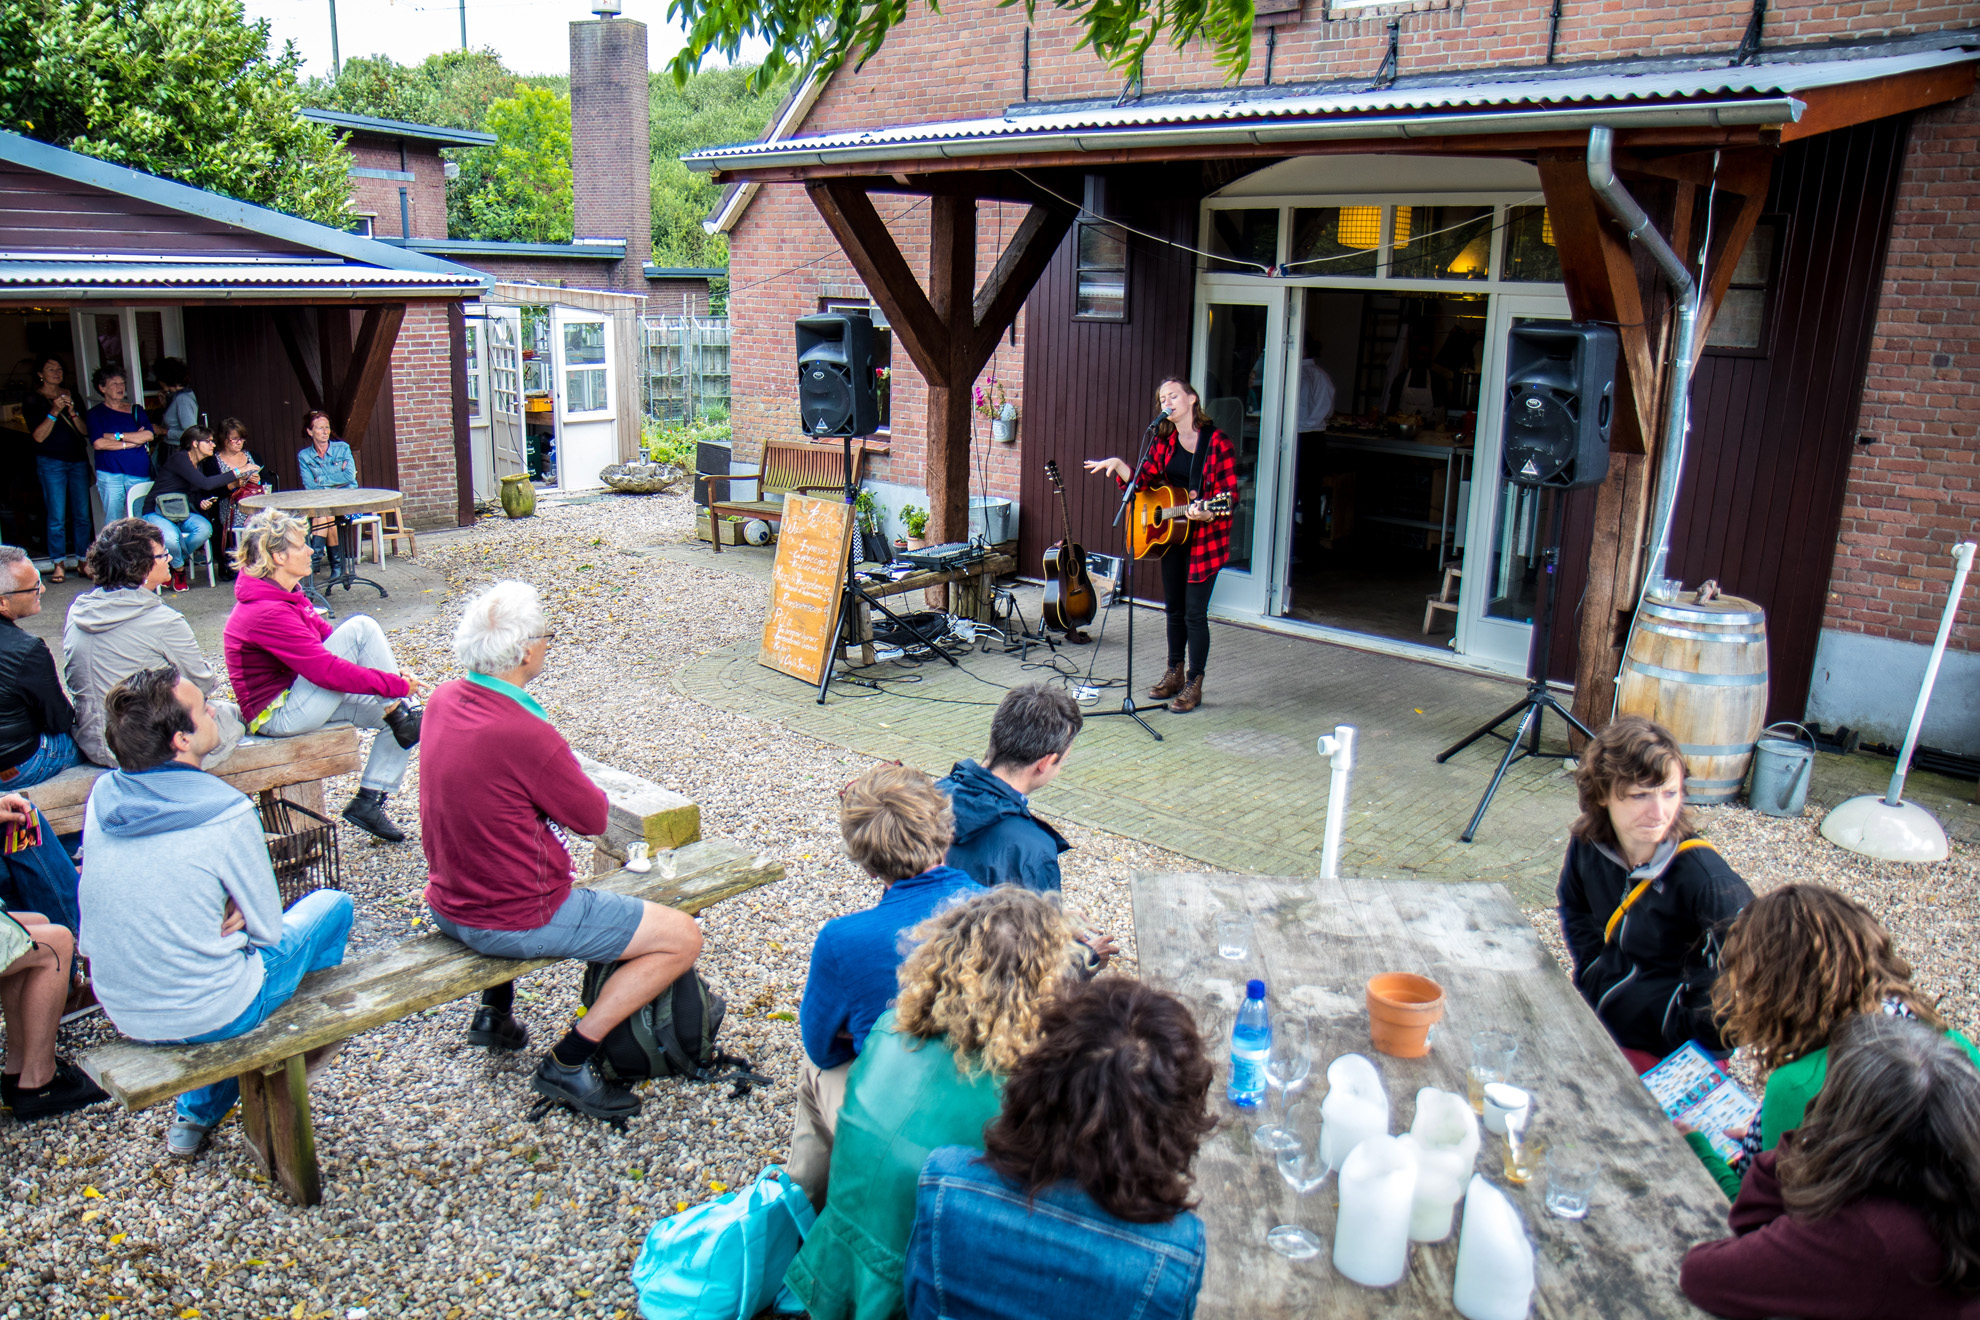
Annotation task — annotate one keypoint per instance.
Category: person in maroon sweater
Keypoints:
(495, 776)
(1872, 1208)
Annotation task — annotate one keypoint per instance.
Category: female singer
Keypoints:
(1189, 451)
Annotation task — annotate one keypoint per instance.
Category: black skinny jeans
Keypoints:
(1187, 605)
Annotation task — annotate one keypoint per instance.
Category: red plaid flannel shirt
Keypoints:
(1209, 542)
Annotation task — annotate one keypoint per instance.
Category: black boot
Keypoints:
(68, 1090)
(367, 812)
(496, 1030)
(582, 1089)
(403, 721)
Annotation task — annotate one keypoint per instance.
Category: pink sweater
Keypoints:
(275, 636)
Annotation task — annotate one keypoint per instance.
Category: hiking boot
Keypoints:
(497, 1031)
(367, 812)
(69, 1089)
(1170, 684)
(582, 1089)
(1189, 698)
(403, 721)
(185, 1138)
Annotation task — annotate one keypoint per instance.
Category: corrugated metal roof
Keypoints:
(206, 275)
(1423, 107)
(400, 128)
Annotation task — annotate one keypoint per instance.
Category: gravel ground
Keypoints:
(440, 1198)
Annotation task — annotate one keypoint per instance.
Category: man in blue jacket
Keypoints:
(998, 841)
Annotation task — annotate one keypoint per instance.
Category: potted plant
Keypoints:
(991, 401)
(917, 526)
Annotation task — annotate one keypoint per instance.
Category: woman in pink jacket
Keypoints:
(292, 673)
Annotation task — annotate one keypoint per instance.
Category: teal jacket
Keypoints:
(904, 1097)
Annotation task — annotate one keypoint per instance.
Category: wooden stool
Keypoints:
(393, 529)
(1442, 600)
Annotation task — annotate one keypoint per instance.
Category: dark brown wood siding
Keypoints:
(1764, 474)
(47, 213)
(1090, 385)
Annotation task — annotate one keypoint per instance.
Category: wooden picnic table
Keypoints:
(1316, 944)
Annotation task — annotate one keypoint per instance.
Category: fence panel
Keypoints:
(686, 367)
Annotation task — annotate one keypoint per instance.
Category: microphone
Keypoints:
(1160, 417)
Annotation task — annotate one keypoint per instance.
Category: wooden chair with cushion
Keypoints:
(790, 467)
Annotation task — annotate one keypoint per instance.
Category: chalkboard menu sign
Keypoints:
(806, 587)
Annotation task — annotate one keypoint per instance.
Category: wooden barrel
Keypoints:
(1700, 670)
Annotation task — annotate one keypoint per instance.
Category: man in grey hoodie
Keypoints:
(123, 626)
(182, 919)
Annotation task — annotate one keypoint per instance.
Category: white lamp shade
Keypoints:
(1356, 1108)
(1494, 1279)
(1445, 1139)
(1371, 1237)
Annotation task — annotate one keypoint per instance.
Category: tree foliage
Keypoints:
(186, 89)
(821, 34)
(712, 108)
(452, 90)
(518, 190)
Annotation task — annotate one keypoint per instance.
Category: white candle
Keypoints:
(1494, 1279)
(1356, 1108)
(1371, 1236)
(1445, 1139)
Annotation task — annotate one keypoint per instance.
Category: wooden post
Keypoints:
(371, 363)
(275, 1116)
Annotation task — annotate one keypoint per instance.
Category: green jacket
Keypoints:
(904, 1097)
(1791, 1088)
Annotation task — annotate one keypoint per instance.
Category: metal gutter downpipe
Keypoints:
(1677, 417)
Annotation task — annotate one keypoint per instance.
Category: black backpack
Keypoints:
(671, 1036)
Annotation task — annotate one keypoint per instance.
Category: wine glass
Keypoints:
(1286, 1068)
(1304, 1170)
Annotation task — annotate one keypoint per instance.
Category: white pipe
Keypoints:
(1338, 748)
(1962, 563)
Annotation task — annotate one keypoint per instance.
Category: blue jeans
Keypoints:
(314, 932)
(42, 879)
(65, 490)
(182, 539)
(115, 488)
(56, 754)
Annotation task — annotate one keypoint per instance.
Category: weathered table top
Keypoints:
(335, 501)
(1316, 944)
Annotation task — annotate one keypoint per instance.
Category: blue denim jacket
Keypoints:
(334, 469)
(980, 1250)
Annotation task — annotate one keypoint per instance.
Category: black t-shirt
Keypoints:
(64, 440)
(1181, 470)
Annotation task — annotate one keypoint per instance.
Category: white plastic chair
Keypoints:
(134, 506)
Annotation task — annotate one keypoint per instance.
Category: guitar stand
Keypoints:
(1124, 594)
(1024, 639)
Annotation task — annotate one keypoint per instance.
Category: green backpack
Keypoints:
(673, 1035)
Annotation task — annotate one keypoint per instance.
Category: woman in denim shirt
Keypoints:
(1079, 1203)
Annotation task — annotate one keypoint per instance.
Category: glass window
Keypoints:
(536, 351)
(1234, 397)
(1331, 241)
(1531, 255)
(1244, 242)
(1100, 292)
(883, 349)
(1741, 323)
(585, 370)
(1442, 243)
(472, 343)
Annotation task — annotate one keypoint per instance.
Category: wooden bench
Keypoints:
(414, 975)
(790, 467)
(295, 768)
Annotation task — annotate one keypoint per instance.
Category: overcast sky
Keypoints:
(531, 36)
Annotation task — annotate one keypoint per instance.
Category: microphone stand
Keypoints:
(1128, 707)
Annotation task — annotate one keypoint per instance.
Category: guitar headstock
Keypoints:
(1218, 503)
(1052, 474)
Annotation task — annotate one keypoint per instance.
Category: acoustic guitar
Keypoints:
(1159, 518)
(1070, 600)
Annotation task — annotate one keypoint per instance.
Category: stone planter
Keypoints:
(643, 478)
(518, 495)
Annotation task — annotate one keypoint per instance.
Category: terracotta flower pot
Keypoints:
(1402, 1007)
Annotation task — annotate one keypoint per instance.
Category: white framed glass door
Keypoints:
(1503, 576)
(1240, 367)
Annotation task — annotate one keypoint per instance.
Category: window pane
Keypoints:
(1756, 263)
(1530, 251)
(1249, 238)
(585, 390)
(1102, 296)
(1102, 245)
(1335, 240)
(1234, 398)
(584, 342)
(1442, 243)
(1741, 318)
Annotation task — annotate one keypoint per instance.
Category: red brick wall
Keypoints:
(1915, 493)
(575, 273)
(423, 404)
(426, 195)
(610, 137)
(663, 296)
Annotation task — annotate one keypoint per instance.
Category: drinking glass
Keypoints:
(1570, 1182)
(1286, 1068)
(1524, 1151)
(1304, 1171)
(1234, 936)
(1492, 1056)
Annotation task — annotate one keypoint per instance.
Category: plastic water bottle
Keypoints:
(1251, 1044)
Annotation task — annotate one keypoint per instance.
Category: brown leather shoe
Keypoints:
(1189, 698)
(1170, 684)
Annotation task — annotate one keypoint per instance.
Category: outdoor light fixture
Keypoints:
(1472, 260)
(1402, 225)
(1547, 226)
(1360, 227)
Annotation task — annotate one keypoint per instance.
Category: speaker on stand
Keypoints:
(1560, 400)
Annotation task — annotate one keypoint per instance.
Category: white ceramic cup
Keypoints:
(1502, 1098)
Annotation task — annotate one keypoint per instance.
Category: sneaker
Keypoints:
(582, 1089)
(367, 812)
(404, 724)
(185, 1138)
(69, 1089)
(179, 582)
(492, 1031)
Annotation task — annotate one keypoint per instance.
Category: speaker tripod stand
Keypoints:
(1539, 699)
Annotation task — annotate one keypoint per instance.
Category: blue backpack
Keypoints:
(724, 1259)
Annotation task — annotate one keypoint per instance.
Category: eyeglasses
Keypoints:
(37, 589)
(162, 555)
(546, 638)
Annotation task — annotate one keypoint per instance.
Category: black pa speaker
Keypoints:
(1560, 399)
(835, 375)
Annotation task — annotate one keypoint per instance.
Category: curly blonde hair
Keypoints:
(254, 544)
(981, 973)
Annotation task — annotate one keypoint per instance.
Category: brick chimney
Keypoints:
(611, 139)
